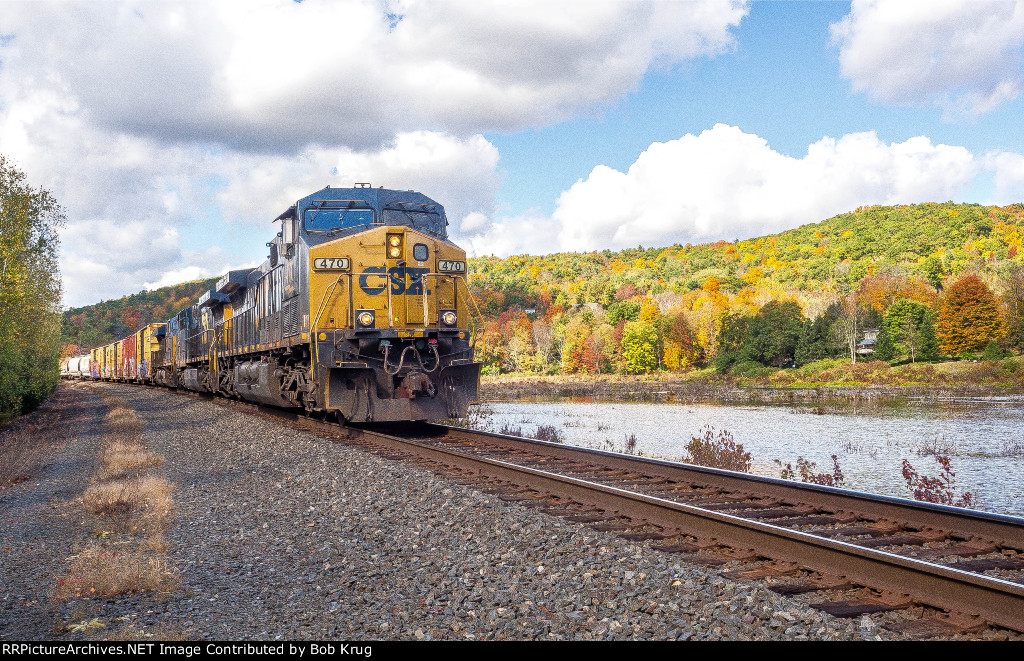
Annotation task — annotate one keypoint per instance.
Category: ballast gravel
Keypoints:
(280, 533)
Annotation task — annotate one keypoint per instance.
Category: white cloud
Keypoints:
(531, 233)
(727, 184)
(962, 56)
(265, 75)
(1008, 176)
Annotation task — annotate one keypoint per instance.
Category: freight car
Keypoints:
(361, 310)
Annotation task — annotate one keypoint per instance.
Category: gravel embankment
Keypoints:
(282, 534)
(41, 525)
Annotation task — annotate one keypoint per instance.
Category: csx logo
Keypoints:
(375, 279)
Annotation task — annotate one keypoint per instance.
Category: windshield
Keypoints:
(325, 220)
(426, 221)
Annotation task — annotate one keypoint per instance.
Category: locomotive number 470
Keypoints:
(331, 263)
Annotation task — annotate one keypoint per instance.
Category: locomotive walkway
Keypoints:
(284, 533)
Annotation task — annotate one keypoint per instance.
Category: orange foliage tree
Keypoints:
(969, 317)
(878, 292)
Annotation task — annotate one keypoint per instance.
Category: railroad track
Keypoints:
(939, 570)
(849, 553)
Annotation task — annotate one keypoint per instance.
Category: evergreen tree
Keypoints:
(774, 333)
(909, 325)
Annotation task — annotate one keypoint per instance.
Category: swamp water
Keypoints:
(984, 437)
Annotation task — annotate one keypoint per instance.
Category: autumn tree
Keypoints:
(969, 317)
(639, 346)
(30, 291)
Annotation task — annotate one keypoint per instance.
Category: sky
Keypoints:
(173, 133)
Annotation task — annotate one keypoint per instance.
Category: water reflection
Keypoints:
(983, 435)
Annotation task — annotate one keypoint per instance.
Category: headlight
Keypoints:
(365, 318)
(448, 318)
(394, 246)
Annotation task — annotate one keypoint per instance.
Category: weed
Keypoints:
(131, 504)
(94, 623)
(807, 471)
(122, 458)
(934, 447)
(941, 489)
(717, 452)
(631, 444)
(509, 430)
(98, 571)
(548, 433)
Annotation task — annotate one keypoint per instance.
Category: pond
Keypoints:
(983, 436)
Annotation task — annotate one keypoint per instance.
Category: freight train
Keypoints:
(362, 310)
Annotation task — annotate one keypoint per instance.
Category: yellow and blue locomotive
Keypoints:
(362, 309)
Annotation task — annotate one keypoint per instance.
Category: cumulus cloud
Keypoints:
(273, 74)
(727, 184)
(962, 56)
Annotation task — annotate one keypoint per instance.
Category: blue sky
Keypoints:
(174, 132)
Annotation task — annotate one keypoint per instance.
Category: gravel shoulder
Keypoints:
(41, 525)
(279, 533)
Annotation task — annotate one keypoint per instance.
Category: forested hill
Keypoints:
(932, 241)
(94, 325)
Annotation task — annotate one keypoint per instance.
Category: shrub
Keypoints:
(941, 489)
(717, 452)
(548, 433)
(751, 369)
(992, 352)
(807, 471)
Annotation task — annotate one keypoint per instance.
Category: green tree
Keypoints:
(911, 327)
(821, 338)
(30, 291)
(640, 346)
(774, 333)
(933, 272)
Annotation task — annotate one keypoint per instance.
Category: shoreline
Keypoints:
(616, 388)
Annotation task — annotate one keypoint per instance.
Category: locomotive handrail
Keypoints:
(469, 297)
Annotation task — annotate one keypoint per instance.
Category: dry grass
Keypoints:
(133, 511)
(28, 442)
(21, 455)
(124, 458)
(131, 504)
(103, 571)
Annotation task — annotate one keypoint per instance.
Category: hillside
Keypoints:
(833, 255)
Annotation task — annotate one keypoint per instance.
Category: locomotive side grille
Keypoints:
(291, 317)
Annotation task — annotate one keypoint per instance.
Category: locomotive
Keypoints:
(361, 310)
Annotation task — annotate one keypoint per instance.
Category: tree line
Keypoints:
(929, 280)
(30, 293)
